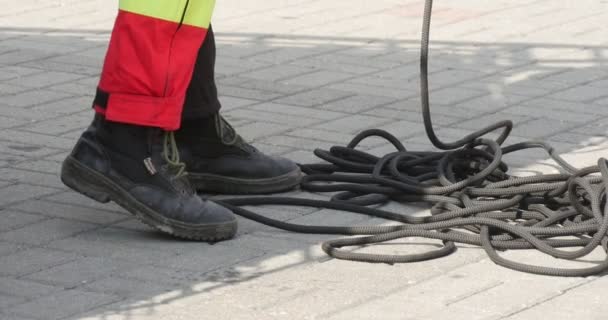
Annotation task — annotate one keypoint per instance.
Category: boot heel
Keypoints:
(77, 178)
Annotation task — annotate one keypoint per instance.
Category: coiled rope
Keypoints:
(474, 200)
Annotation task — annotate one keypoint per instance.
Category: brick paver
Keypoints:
(294, 76)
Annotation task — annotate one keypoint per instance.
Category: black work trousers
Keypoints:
(201, 98)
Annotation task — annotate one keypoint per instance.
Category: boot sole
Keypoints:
(229, 185)
(98, 187)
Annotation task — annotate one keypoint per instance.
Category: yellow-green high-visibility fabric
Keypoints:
(191, 12)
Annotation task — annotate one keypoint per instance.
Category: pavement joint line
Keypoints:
(127, 217)
(29, 184)
(4, 206)
(410, 285)
(73, 235)
(36, 145)
(112, 301)
(55, 116)
(84, 206)
(474, 293)
(582, 282)
(59, 152)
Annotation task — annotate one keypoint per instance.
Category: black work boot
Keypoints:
(139, 169)
(220, 161)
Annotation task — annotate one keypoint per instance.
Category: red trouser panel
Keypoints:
(147, 70)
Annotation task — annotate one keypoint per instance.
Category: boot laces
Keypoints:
(171, 155)
(228, 135)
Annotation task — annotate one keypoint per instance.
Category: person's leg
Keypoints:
(150, 61)
(218, 159)
(127, 155)
(201, 97)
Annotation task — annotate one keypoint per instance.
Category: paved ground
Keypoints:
(294, 75)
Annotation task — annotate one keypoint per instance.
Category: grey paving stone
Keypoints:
(328, 217)
(7, 301)
(357, 103)
(33, 97)
(487, 102)
(46, 166)
(124, 251)
(578, 303)
(357, 88)
(403, 128)
(342, 63)
(223, 255)
(581, 93)
(46, 231)
(543, 128)
(77, 199)
(15, 317)
(229, 103)
(130, 288)
(74, 88)
(318, 78)
(32, 260)
(602, 102)
(576, 76)
(7, 89)
(15, 152)
(249, 93)
(67, 106)
(394, 112)
(300, 143)
(456, 75)
(10, 220)
(260, 129)
(270, 149)
(276, 72)
(296, 111)
(280, 88)
(499, 86)
(21, 113)
(33, 43)
(80, 59)
(31, 177)
(6, 122)
(19, 192)
(324, 135)
(37, 139)
(454, 95)
(282, 119)
(59, 125)
(58, 210)
(62, 305)
(24, 288)
(12, 72)
(162, 275)
(81, 271)
(73, 134)
(580, 139)
(18, 56)
(485, 120)
(550, 113)
(7, 248)
(70, 68)
(314, 97)
(44, 79)
(352, 123)
(288, 54)
(145, 239)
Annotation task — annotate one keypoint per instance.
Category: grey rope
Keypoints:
(473, 198)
